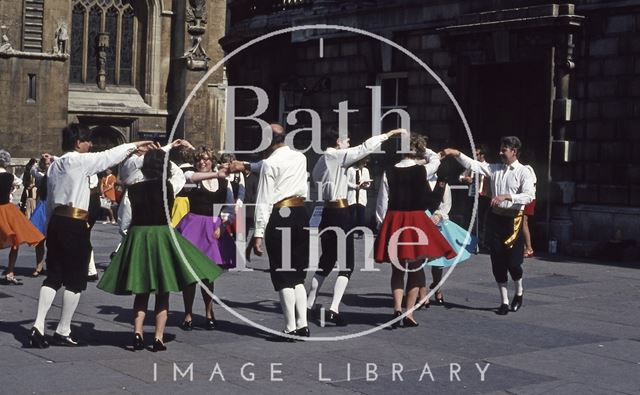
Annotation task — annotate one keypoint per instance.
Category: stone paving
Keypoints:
(577, 333)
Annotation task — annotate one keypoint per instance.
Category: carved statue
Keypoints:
(5, 45)
(196, 17)
(197, 12)
(61, 39)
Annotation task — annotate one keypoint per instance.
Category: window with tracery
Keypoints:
(123, 22)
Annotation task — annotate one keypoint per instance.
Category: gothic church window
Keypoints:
(123, 22)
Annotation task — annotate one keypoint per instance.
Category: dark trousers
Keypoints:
(340, 218)
(68, 253)
(296, 244)
(504, 259)
(357, 215)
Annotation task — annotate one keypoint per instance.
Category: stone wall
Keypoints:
(28, 128)
(605, 167)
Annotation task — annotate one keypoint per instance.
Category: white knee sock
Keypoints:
(92, 266)
(519, 288)
(47, 294)
(301, 306)
(69, 303)
(316, 283)
(338, 292)
(504, 294)
(288, 301)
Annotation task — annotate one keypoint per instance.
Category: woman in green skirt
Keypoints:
(153, 257)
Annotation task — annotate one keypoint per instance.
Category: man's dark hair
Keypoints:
(153, 163)
(181, 154)
(512, 142)
(72, 133)
(329, 137)
(277, 134)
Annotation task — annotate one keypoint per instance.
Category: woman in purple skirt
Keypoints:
(203, 227)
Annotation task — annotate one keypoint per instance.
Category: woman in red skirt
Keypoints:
(407, 237)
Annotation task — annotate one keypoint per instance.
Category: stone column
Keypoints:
(562, 148)
(176, 85)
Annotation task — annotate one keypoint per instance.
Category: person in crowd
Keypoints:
(407, 236)
(68, 241)
(359, 182)
(512, 188)
(204, 225)
(15, 229)
(150, 260)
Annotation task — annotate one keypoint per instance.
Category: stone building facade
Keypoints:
(124, 67)
(563, 77)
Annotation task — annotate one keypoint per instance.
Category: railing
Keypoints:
(245, 9)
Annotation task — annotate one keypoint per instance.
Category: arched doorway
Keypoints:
(105, 137)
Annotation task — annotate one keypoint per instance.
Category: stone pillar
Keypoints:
(176, 85)
(562, 194)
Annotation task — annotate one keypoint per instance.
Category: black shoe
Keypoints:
(60, 340)
(424, 305)
(439, 297)
(336, 318)
(210, 324)
(158, 345)
(138, 342)
(397, 323)
(303, 332)
(409, 323)
(37, 339)
(186, 326)
(93, 278)
(503, 309)
(516, 303)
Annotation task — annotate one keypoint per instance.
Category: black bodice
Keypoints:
(201, 200)
(6, 185)
(409, 189)
(434, 196)
(147, 203)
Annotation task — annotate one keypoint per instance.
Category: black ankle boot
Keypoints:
(37, 339)
(138, 342)
(158, 345)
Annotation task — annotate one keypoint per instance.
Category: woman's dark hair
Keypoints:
(72, 133)
(204, 152)
(26, 177)
(153, 164)
(417, 145)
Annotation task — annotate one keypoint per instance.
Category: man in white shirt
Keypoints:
(330, 172)
(512, 188)
(483, 191)
(281, 220)
(358, 183)
(68, 234)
